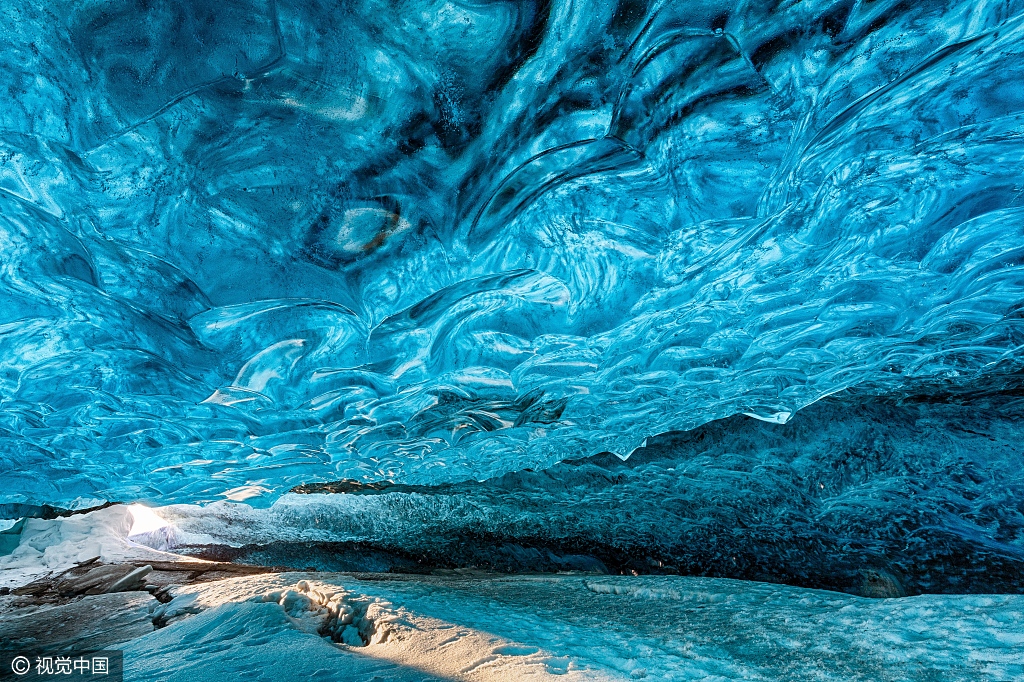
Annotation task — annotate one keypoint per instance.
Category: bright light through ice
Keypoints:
(144, 520)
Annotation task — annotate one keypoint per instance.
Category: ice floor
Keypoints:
(583, 627)
(479, 626)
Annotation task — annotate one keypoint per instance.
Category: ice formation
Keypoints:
(878, 502)
(255, 244)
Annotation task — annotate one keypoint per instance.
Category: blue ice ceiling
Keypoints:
(248, 245)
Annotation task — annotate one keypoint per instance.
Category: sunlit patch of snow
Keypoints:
(114, 534)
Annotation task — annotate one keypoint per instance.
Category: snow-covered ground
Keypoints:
(585, 627)
(464, 626)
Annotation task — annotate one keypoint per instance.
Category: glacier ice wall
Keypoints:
(256, 243)
(871, 498)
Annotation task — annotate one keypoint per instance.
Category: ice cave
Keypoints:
(500, 340)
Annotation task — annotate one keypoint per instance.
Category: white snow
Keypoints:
(52, 546)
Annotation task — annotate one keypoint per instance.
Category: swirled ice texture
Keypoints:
(249, 244)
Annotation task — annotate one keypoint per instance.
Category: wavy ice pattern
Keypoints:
(255, 243)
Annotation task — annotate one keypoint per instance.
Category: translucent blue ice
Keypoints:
(248, 244)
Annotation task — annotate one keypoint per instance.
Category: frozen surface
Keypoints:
(257, 243)
(100, 621)
(586, 628)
